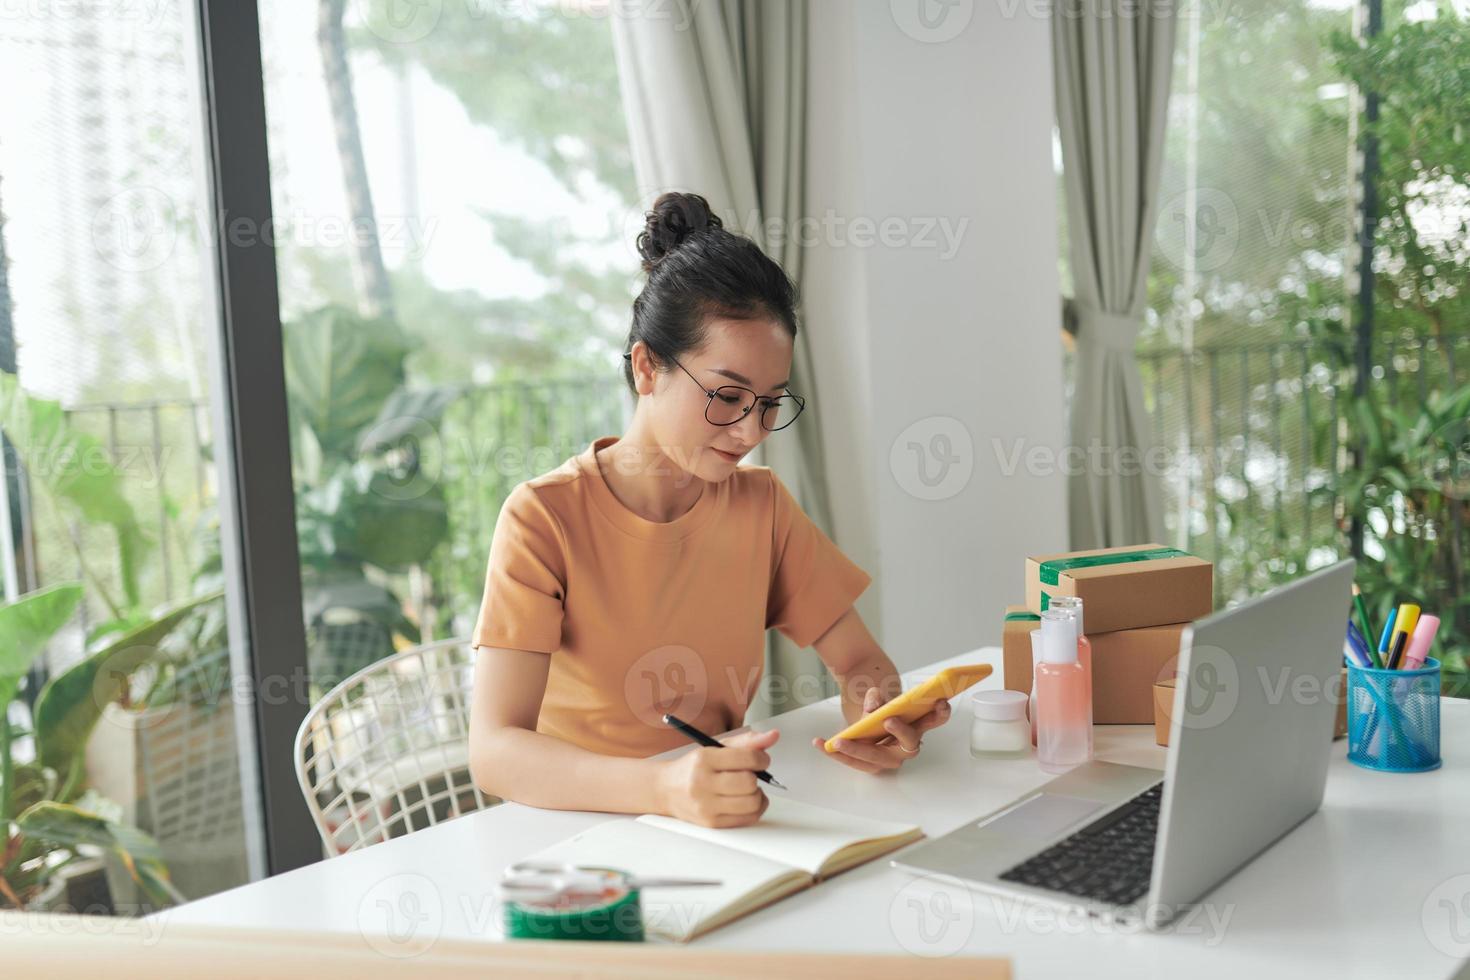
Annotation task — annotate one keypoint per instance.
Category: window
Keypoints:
(1255, 324)
(451, 194)
(110, 513)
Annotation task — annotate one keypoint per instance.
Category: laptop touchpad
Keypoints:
(1043, 816)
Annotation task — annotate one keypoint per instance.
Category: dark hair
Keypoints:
(697, 269)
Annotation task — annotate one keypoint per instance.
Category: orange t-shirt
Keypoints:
(641, 617)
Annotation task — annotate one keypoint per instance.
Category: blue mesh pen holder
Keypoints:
(1393, 718)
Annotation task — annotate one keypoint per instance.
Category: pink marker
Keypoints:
(1418, 649)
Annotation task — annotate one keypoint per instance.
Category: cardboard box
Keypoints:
(1339, 695)
(1125, 665)
(1164, 707)
(1121, 593)
(1015, 644)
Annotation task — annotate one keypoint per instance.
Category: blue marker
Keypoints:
(1354, 648)
(1388, 630)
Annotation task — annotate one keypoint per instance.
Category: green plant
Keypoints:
(367, 505)
(71, 472)
(1276, 486)
(1421, 73)
(47, 813)
(47, 817)
(1412, 490)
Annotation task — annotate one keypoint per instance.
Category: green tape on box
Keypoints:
(1023, 616)
(1051, 571)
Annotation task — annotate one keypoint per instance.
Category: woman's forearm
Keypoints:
(542, 770)
(857, 663)
(876, 670)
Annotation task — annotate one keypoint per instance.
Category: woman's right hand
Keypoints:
(717, 787)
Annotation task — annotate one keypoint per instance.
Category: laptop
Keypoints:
(1254, 707)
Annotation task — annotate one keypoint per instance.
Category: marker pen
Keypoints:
(1403, 628)
(1400, 640)
(1418, 650)
(1408, 616)
(1383, 640)
(1353, 647)
(1362, 612)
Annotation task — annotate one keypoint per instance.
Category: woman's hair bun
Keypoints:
(674, 218)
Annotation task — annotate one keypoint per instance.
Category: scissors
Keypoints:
(548, 881)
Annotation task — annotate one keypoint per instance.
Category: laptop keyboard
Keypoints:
(1110, 860)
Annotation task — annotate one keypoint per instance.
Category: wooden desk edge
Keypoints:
(66, 946)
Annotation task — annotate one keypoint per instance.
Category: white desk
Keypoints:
(1375, 884)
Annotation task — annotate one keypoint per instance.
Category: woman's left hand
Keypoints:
(893, 750)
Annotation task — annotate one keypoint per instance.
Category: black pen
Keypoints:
(696, 735)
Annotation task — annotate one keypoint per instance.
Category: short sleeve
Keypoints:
(812, 582)
(525, 584)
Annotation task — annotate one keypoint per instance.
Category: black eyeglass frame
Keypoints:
(712, 393)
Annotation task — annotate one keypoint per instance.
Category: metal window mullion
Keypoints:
(257, 504)
(1307, 444)
(1212, 362)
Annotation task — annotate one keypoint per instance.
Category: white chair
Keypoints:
(386, 751)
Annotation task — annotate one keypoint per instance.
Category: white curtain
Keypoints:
(1113, 62)
(715, 97)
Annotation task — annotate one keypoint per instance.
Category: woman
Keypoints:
(639, 577)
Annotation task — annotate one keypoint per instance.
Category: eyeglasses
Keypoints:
(729, 404)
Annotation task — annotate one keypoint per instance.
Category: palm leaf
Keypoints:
(72, 702)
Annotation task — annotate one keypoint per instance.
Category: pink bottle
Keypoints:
(1063, 700)
(1073, 604)
(1035, 662)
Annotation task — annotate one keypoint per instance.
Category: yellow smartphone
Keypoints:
(914, 703)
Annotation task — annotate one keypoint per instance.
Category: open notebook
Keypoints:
(793, 846)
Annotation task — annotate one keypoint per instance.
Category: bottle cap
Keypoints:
(999, 705)
(1072, 604)
(1058, 637)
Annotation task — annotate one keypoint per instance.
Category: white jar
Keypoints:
(1000, 729)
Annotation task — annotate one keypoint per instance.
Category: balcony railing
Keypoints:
(490, 438)
(1256, 439)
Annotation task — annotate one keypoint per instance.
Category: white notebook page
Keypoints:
(790, 832)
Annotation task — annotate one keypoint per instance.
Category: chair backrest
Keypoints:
(386, 751)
